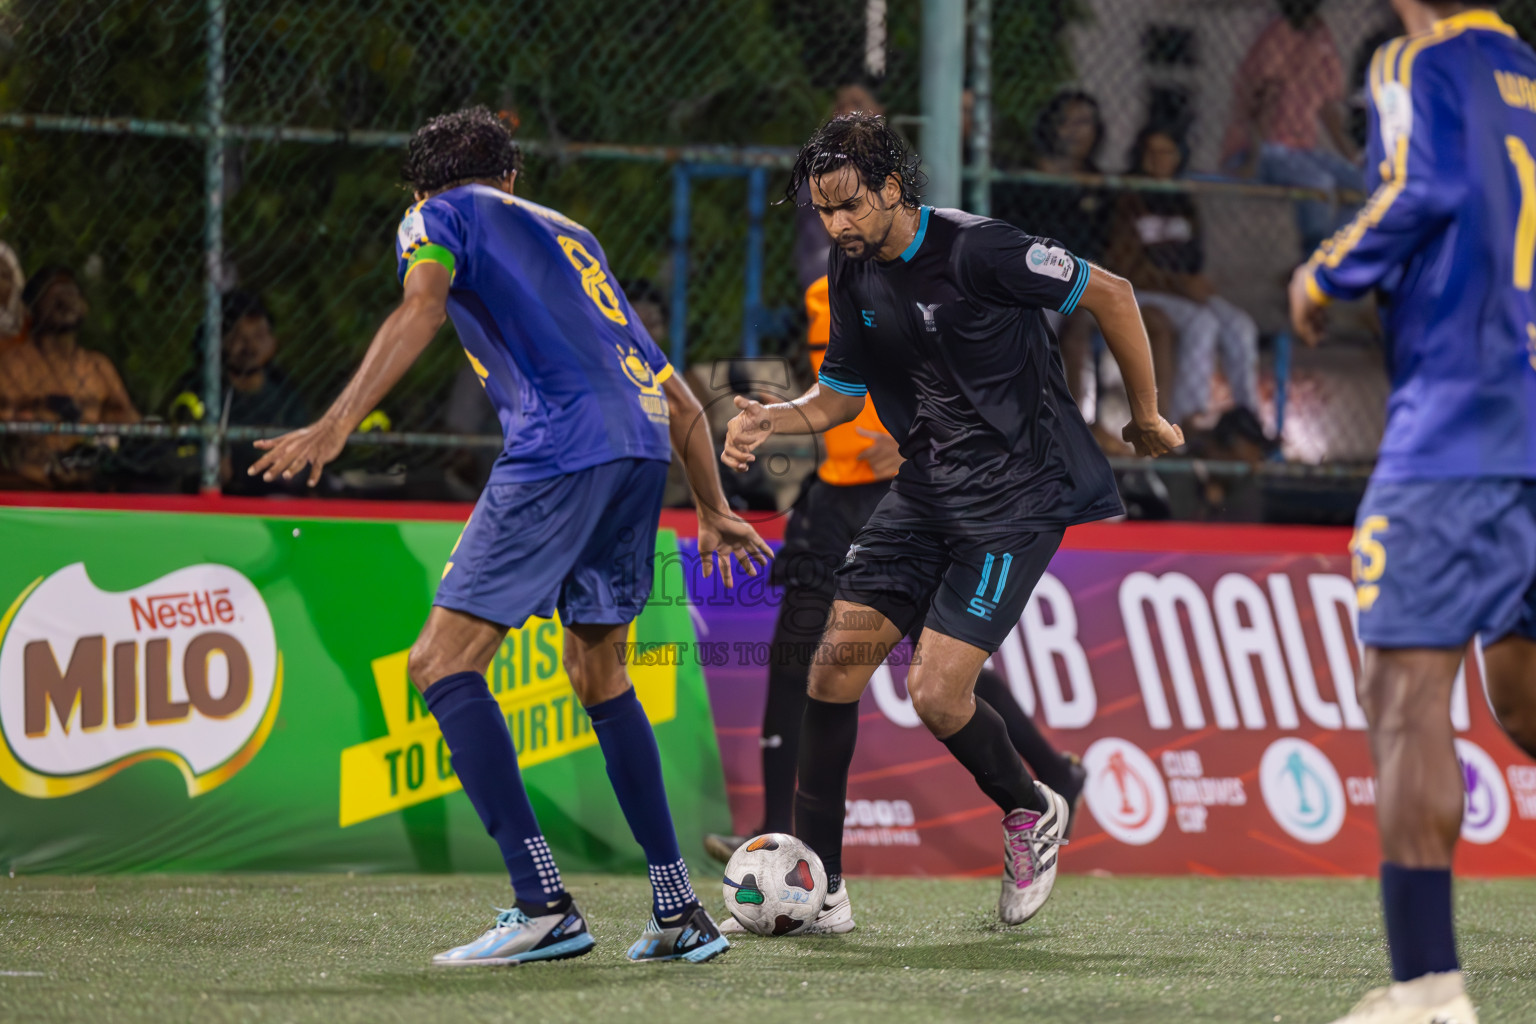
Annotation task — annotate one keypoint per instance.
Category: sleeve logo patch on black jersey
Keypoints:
(1053, 262)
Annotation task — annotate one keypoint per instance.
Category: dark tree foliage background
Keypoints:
(311, 226)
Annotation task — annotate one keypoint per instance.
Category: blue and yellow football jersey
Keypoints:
(1448, 240)
(575, 379)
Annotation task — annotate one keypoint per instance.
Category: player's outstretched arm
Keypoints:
(1112, 301)
(399, 342)
(818, 410)
(722, 534)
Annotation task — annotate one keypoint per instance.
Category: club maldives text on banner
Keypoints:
(225, 692)
(1207, 676)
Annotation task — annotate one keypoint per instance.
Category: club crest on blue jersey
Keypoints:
(641, 376)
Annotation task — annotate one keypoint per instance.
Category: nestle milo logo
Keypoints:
(183, 669)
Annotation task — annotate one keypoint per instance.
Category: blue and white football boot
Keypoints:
(516, 938)
(695, 939)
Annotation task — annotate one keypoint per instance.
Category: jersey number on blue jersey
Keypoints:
(1525, 226)
(593, 281)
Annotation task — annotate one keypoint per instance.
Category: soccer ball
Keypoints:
(775, 885)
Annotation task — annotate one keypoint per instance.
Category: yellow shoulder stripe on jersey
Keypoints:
(663, 374)
(1382, 65)
(1485, 19)
(1402, 52)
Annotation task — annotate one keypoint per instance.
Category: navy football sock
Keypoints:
(1416, 904)
(634, 768)
(486, 763)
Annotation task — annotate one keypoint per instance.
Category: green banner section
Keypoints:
(209, 692)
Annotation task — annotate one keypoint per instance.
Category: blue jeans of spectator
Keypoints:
(1315, 168)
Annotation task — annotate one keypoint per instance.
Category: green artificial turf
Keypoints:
(337, 949)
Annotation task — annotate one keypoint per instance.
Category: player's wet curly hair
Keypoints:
(866, 143)
(454, 149)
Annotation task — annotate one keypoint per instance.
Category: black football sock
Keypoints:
(982, 746)
(782, 716)
(794, 646)
(827, 738)
(1048, 764)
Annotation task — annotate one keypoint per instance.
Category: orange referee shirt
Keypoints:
(844, 444)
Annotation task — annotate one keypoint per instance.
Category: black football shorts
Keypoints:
(972, 587)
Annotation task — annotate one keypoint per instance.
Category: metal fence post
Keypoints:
(942, 88)
(682, 195)
(213, 251)
(752, 312)
(981, 110)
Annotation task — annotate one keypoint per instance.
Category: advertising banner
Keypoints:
(222, 692)
(1207, 677)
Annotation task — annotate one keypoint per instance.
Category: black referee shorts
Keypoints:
(970, 586)
(826, 518)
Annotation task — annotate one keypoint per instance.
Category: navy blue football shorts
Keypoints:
(1437, 561)
(582, 544)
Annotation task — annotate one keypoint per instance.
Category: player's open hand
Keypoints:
(312, 446)
(748, 428)
(1158, 437)
(723, 537)
(1308, 317)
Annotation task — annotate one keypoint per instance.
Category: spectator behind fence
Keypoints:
(1068, 134)
(256, 393)
(1157, 243)
(13, 312)
(1225, 494)
(650, 306)
(1290, 80)
(50, 378)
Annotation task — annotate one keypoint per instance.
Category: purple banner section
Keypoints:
(1210, 693)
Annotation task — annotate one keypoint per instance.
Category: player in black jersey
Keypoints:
(936, 314)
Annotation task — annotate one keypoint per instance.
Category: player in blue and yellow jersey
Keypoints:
(588, 405)
(1445, 541)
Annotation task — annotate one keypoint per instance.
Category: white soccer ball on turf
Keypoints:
(774, 884)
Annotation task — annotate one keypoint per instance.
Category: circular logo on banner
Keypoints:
(1486, 815)
(1302, 790)
(1125, 791)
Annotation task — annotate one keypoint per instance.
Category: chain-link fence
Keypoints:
(228, 169)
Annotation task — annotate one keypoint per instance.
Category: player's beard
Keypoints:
(868, 248)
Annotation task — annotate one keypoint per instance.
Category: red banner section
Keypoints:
(1210, 693)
